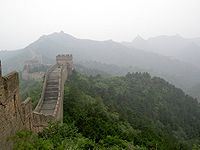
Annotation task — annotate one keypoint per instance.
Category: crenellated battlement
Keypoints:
(9, 87)
(66, 59)
(64, 55)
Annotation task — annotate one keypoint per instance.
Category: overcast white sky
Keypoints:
(23, 21)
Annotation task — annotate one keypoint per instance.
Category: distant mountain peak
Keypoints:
(57, 35)
(138, 38)
(62, 32)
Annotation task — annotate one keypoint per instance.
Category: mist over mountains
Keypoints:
(177, 47)
(151, 55)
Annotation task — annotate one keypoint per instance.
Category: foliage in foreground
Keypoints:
(66, 137)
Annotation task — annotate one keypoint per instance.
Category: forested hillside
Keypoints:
(194, 91)
(31, 88)
(135, 111)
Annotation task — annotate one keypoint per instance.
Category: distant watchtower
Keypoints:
(65, 60)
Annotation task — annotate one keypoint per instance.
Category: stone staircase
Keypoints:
(50, 104)
(51, 92)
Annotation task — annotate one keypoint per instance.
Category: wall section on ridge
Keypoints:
(16, 115)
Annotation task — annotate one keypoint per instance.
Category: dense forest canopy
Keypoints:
(135, 111)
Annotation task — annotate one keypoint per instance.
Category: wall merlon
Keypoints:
(11, 80)
(65, 59)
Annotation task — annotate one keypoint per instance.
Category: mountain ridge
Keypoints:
(174, 46)
(47, 47)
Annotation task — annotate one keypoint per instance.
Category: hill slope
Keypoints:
(149, 104)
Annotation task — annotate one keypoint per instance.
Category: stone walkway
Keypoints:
(51, 92)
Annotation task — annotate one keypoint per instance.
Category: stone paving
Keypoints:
(51, 92)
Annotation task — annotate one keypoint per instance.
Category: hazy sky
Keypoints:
(23, 21)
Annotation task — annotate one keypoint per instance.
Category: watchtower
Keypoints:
(65, 60)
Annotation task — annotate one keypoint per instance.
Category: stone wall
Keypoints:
(38, 76)
(16, 115)
(40, 121)
(26, 108)
(37, 109)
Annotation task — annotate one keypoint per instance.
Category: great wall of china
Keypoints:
(16, 115)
